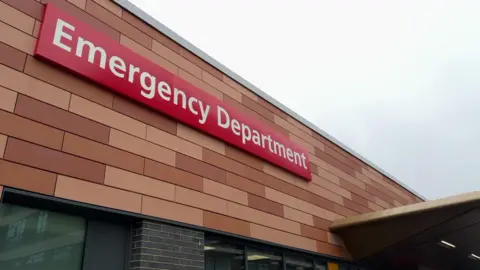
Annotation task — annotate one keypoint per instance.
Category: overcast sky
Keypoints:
(397, 81)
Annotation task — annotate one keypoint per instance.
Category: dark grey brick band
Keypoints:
(166, 247)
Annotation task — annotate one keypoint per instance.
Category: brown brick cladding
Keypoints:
(63, 136)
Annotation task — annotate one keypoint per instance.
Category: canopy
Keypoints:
(440, 234)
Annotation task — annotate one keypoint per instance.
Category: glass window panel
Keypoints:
(222, 256)
(41, 240)
(345, 266)
(294, 262)
(264, 260)
(320, 265)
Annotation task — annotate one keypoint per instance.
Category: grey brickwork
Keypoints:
(158, 246)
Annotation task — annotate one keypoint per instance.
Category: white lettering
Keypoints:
(176, 94)
(290, 154)
(246, 133)
(191, 100)
(236, 127)
(297, 158)
(164, 90)
(204, 112)
(263, 141)
(269, 139)
(280, 147)
(131, 72)
(117, 63)
(304, 161)
(92, 51)
(221, 111)
(59, 34)
(150, 89)
(256, 138)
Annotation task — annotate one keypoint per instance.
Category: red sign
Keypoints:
(71, 43)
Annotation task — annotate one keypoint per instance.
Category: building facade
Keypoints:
(101, 167)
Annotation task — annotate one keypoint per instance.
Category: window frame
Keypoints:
(45, 203)
(248, 244)
(96, 212)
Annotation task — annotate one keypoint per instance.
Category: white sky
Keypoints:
(397, 81)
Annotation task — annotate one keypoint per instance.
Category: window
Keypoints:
(296, 262)
(320, 265)
(222, 256)
(228, 253)
(264, 260)
(36, 239)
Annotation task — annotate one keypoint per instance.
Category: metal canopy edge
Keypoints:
(411, 233)
(207, 58)
(388, 214)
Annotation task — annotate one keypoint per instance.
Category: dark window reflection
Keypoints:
(294, 262)
(348, 267)
(222, 256)
(320, 265)
(41, 240)
(263, 260)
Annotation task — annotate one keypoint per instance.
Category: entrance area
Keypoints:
(434, 235)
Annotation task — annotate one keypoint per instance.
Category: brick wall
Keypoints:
(65, 137)
(161, 246)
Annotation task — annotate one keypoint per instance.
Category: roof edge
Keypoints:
(207, 58)
(463, 198)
